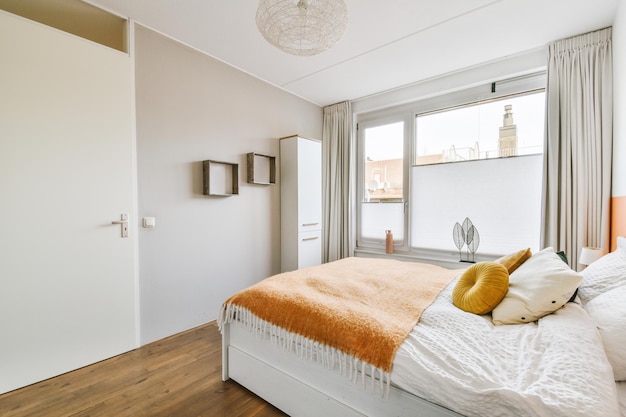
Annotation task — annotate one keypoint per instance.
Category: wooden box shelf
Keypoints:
(261, 169)
(220, 178)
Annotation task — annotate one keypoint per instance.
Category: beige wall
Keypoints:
(191, 107)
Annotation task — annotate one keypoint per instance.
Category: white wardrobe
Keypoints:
(300, 202)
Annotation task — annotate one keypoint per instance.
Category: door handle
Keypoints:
(123, 221)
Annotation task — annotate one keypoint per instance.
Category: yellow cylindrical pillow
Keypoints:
(514, 260)
(481, 287)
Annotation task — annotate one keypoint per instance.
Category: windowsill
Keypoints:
(442, 258)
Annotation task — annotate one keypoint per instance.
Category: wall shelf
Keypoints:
(261, 169)
(220, 178)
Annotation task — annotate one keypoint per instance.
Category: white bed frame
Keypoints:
(302, 388)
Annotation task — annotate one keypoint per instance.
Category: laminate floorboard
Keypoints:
(179, 376)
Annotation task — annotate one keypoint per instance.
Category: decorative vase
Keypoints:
(389, 241)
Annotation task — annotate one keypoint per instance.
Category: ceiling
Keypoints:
(387, 44)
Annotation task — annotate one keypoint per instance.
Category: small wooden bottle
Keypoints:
(389, 241)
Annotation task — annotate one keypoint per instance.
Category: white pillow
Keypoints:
(603, 275)
(621, 242)
(540, 286)
(608, 310)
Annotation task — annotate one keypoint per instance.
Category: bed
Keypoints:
(451, 362)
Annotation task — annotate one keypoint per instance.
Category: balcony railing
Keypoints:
(455, 154)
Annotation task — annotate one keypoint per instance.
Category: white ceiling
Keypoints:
(387, 44)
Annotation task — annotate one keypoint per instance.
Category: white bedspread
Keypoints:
(556, 367)
(621, 394)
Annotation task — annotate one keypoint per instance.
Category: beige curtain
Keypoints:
(338, 160)
(579, 134)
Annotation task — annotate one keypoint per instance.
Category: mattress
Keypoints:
(553, 367)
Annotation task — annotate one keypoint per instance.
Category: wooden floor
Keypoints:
(179, 377)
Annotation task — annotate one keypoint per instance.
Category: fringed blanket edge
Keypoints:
(327, 356)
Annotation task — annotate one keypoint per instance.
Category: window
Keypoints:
(384, 161)
(383, 178)
(509, 126)
(409, 184)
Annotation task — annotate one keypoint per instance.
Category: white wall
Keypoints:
(619, 97)
(510, 66)
(191, 107)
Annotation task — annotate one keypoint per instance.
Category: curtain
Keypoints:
(338, 160)
(578, 147)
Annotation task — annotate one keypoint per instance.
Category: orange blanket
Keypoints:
(360, 306)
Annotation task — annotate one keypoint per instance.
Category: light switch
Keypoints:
(149, 222)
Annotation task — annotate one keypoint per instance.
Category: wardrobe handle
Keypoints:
(310, 238)
(310, 224)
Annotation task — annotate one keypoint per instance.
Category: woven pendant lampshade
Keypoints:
(302, 27)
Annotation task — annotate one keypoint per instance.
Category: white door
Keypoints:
(67, 280)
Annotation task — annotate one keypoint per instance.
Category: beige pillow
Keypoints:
(540, 286)
(513, 261)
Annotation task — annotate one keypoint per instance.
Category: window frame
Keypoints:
(407, 113)
(381, 119)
